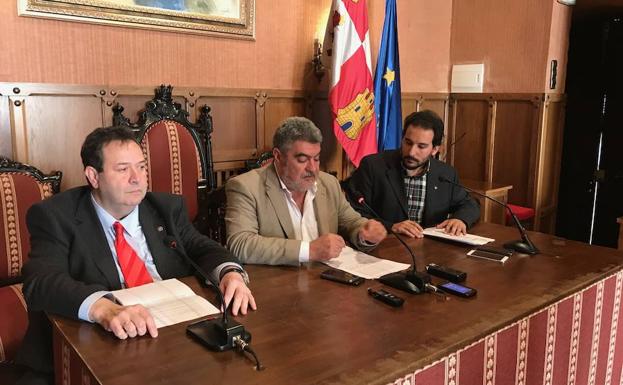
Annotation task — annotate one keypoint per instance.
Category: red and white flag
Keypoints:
(352, 91)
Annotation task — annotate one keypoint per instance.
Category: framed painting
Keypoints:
(227, 18)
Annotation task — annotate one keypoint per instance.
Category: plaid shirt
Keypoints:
(415, 188)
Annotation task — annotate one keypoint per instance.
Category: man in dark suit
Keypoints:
(404, 187)
(90, 240)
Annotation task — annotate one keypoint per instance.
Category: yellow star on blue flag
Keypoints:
(389, 76)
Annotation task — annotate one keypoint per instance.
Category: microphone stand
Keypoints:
(411, 281)
(219, 333)
(524, 245)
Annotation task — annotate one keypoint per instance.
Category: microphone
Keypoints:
(218, 334)
(524, 245)
(411, 281)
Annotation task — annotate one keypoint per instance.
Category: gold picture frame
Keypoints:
(225, 18)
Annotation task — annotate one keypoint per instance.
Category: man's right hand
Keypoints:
(123, 321)
(409, 228)
(326, 247)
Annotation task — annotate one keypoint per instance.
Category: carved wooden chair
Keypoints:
(20, 187)
(263, 160)
(179, 155)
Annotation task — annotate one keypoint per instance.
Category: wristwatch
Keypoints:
(230, 268)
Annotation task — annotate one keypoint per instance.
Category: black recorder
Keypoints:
(447, 273)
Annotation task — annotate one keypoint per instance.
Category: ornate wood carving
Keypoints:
(54, 178)
(162, 107)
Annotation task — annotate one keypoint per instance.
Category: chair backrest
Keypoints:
(178, 152)
(21, 186)
(266, 158)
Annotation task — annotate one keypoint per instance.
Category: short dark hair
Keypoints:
(428, 120)
(91, 152)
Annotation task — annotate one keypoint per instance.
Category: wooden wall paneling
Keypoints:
(19, 135)
(548, 169)
(55, 127)
(436, 103)
(234, 121)
(6, 142)
(469, 152)
(260, 119)
(517, 123)
(439, 105)
(490, 149)
(280, 106)
(409, 103)
(447, 154)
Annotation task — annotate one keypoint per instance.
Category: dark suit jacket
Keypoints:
(70, 258)
(380, 180)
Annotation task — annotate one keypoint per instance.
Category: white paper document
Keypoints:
(169, 301)
(469, 239)
(364, 265)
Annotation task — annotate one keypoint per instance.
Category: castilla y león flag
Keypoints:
(352, 90)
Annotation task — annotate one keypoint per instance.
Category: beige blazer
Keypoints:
(259, 227)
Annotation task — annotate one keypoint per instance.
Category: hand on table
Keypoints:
(234, 289)
(453, 226)
(409, 228)
(123, 321)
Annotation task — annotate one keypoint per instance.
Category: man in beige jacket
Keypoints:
(290, 212)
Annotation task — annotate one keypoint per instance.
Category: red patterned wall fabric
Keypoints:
(17, 193)
(173, 161)
(577, 341)
(13, 328)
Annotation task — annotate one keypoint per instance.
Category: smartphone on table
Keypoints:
(341, 277)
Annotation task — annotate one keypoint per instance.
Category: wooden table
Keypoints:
(308, 330)
(489, 211)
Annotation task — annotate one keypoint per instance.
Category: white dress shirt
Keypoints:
(304, 223)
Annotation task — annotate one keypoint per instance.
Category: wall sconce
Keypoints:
(319, 68)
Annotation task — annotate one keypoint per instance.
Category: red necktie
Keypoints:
(132, 267)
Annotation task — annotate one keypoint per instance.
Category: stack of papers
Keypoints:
(364, 265)
(469, 239)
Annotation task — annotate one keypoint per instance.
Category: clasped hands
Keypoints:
(132, 321)
(329, 246)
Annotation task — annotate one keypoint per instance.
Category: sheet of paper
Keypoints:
(180, 310)
(469, 239)
(364, 265)
(169, 301)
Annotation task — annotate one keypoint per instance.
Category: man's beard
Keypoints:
(420, 164)
(301, 185)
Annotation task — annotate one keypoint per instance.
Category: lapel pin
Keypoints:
(435, 187)
(160, 228)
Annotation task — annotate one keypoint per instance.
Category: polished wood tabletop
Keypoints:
(308, 330)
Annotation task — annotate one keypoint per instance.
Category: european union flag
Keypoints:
(387, 102)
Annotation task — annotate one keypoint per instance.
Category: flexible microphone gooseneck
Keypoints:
(218, 334)
(411, 281)
(524, 245)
